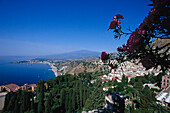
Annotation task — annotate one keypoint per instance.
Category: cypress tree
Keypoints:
(62, 99)
(96, 98)
(70, 101)
(25, 101)
(77, 94)
(138, 85)
(81, 93)
(147, 97)
(74, 100)
(123, 79)
(32, 103)
(132, 108)
(48, 103)
(11, 103)
(41, 89)
(41, 103)
(16, 107)
(126, 80)
(66, 101)
(84, 96)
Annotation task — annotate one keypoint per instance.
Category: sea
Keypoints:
(25, 73)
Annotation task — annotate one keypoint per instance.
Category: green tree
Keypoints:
(66, 102)
(16, 106)
(123, 79)
(158, 108)
(41, 103)
(132, 109)
(11, 104)
(96, 98)
(51, 83)
(62, 99)
(81, 94)
(25, 100)
(48, 103)
(41, 89)
(120, 87)
(138, 85)
(132, 81)
(146, 97)
(70, 101)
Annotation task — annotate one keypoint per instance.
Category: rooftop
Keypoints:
(12, 87)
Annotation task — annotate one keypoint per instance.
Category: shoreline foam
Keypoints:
(53, 68)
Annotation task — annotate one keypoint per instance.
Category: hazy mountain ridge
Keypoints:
(75, 55)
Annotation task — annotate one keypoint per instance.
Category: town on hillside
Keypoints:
(121, 85)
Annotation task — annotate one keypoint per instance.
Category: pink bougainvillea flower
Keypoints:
(113, 24)
(118, 22)
(124, 48)
(133, 43)
(139, 31)
(114, 17)
(119, 49)
(103, 54)
(136, 40)
(141, 25)
(118, 16)
(104, 57)
(143, 32)
(152, 10)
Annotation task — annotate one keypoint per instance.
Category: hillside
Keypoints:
(79, 66)
(161, 43)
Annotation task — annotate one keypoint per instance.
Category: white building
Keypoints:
(2, 100)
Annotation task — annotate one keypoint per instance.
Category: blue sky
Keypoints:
(43, 27)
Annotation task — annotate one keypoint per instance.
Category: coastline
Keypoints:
(53, 68)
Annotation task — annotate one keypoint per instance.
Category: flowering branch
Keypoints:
(144, 42)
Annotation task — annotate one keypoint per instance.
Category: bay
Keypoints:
(21, 74)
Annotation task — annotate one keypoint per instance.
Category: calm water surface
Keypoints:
(23, 73)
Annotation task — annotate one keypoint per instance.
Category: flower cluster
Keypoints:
(158, 18)
(139, 44)
(122, 49)
(115, 22)
(118, 16)
(134, 41)
(104, 56)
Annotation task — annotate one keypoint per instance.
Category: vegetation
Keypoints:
(142, 98)
(96, 98)
(63, 94)
(18, 102)
(150, 44)
(71, 93)
(143, 42)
